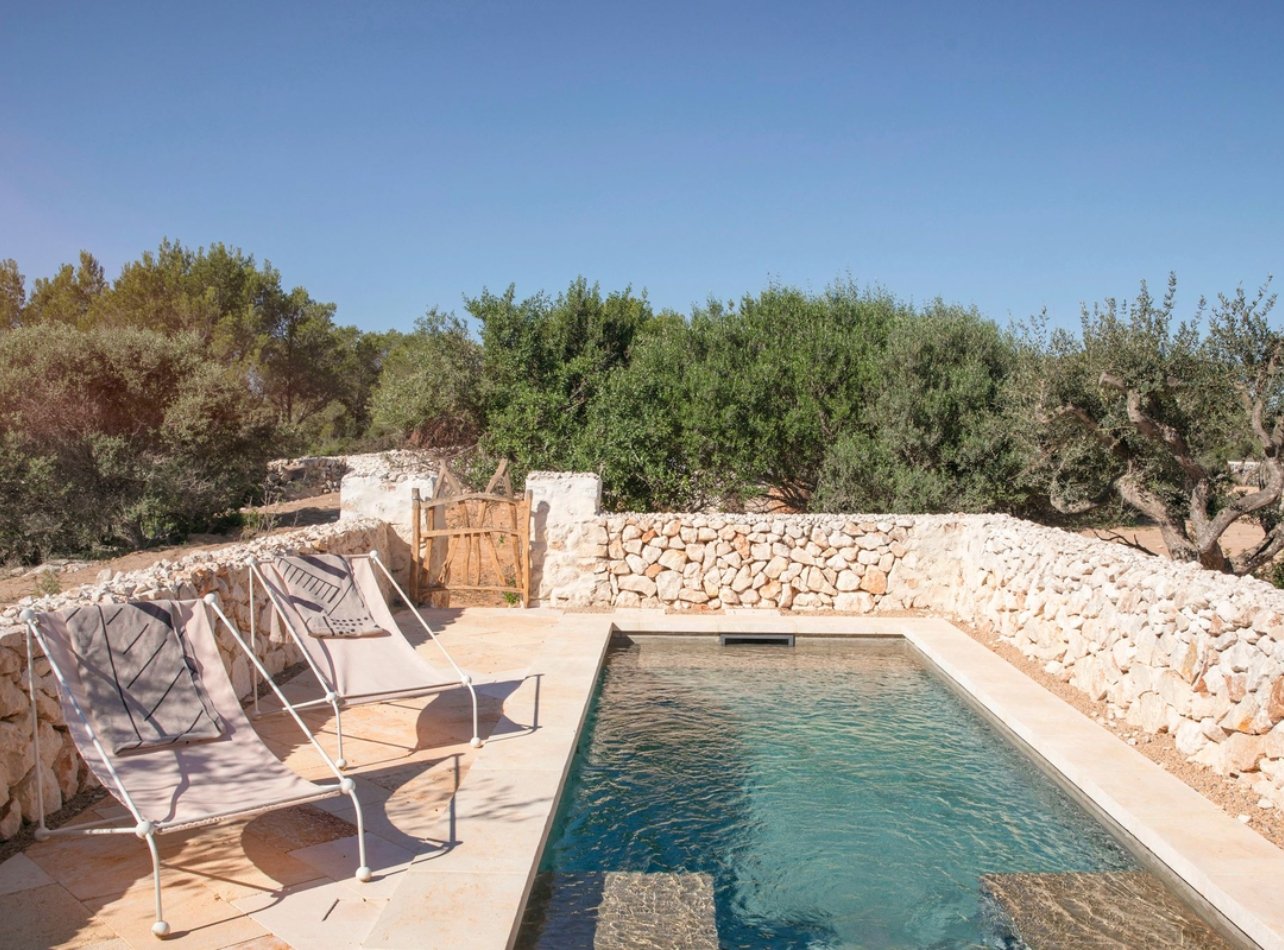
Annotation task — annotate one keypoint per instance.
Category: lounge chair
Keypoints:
(334, 610)
(152, 711)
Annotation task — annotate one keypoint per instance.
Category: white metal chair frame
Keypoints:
(335, 700)
(150, 830)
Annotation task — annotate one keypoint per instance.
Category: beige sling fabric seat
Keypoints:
(333, 608)
(177, 784)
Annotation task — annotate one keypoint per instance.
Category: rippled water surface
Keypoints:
(838, 794)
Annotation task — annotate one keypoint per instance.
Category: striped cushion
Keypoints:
(143, 686)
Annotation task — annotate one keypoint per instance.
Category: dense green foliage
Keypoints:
(842, 401)
(429, 392)
(135, 410)
(935, 434)
(138, 408)
(119, 438)
(544, 363)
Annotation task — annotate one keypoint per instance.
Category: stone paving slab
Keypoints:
(47, 916)
(472, 893)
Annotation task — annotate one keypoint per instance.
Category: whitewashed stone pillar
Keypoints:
(568, 539)
(387, 495)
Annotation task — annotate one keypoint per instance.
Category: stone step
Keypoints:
(623, 910)
(1098, 910)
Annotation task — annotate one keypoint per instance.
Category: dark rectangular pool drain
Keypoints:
(771, 639)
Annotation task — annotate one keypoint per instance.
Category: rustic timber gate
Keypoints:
(471, 541)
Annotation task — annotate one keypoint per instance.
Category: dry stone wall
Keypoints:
(311, 475)
(786, 561)
(306, 477)
(1169, 647)
(222, 571)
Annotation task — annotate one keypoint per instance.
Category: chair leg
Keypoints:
(363, 868)
(160, 928)
(475, 742)
(333, 699)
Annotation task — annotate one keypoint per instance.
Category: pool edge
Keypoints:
(490, 877)
(1228, 864)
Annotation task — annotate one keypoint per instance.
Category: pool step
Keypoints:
(626, 910)
(1081, 910)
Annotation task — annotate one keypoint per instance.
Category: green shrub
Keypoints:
(932, 433)
(430, 389)
(119, 439)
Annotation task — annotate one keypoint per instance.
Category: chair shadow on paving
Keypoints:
(505, 726)
(377, 734)
(95, 889)
(439, 618)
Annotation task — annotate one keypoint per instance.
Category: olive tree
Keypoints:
(1149, 410)
(931, 433)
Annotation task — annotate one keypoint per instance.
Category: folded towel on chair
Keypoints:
(144, 687)
(322, 589)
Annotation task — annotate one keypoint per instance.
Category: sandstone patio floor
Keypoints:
(453, 832)
(448, 826)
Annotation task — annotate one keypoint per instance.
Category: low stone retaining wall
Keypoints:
(381, 485)
(222, 572)
(312, 475)
(306, 477)
(1169, 647)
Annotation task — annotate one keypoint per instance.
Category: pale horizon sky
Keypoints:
(396, 156)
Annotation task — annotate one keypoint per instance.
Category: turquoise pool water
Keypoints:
(837, 794)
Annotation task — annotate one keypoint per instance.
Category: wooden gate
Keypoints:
(471, 541)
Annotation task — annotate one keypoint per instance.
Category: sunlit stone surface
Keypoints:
(624, 910)
(1077, 911)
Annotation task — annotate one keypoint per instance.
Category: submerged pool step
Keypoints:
(626, 910)
(1103, 909)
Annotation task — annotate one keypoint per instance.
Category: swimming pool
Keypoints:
(833, 794)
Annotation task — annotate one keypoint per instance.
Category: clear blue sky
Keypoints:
(391, 156)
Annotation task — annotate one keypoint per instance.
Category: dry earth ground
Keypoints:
(1238, 537)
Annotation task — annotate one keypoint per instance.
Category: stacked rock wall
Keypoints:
(306, 477)
(802, 562)
(221, 571)
(1169, 647)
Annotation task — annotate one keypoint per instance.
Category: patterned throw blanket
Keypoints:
(324, 592)
(143, 687)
